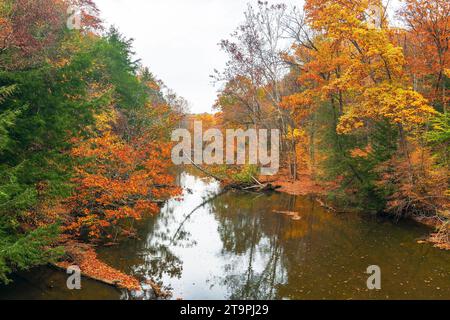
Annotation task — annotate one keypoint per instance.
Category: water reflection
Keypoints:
(236, 246)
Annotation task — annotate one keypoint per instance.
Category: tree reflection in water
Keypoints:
(235, 246)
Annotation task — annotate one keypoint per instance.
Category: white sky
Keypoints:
(178, 39)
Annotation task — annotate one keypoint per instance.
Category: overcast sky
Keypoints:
(177, 39)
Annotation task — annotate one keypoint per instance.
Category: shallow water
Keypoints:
(235, 247)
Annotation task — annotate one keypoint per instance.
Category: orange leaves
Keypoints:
(85, 257)
(118, 181)
(356, 67)
(419, 185)
(430, 25)
(427, 44)
(361, 153)
(302, 99)
(5, 29)
(301, 104)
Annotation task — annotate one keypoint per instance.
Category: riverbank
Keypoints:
(303, 186)
(306, 185)
(84, 257)
(237, 247)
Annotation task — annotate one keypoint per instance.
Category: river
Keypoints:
(236, 247)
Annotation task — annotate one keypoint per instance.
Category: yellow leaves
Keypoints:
(403, 106)
(386, 101)
(105, 119)
(359, 66)
(447, 72)
(341, 18)
(349, 123)
(294, 133)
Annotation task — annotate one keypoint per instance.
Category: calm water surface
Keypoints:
(236, 247)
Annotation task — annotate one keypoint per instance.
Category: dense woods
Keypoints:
(84, 133)
(361, 104)
(85, 129)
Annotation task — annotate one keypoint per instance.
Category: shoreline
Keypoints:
(305, 186)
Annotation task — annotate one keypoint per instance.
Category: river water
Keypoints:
(235, 246)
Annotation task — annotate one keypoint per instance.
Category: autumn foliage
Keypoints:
(362, 104)
(84, 135)
(85, 257)
(119, 182)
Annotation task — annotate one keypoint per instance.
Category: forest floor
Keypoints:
(304, 185)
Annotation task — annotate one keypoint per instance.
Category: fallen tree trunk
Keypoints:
(209, 174)
(63, 266)
(253, 188)
(258, 187)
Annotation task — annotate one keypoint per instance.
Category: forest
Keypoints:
(357, 89)
(84, 134)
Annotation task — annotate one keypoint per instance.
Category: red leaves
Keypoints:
(28, 28)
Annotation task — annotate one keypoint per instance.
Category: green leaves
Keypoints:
(439, 137)
(42, 110)
(21, 253)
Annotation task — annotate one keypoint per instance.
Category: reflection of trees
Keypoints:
(264, 247)
(158, 258)
(166, 233)
(265, 255)
(252, 244)
(238, 230)
(253, 284)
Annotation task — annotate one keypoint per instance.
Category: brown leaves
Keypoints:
(86, 259)
(419, 186)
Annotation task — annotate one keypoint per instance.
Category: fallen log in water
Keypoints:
(85, 258)
(253, 188)
(159, 293)
(287, 213)
(325, 205)
(258, 187)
